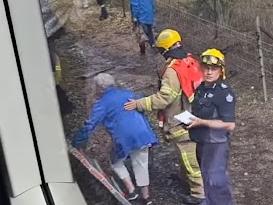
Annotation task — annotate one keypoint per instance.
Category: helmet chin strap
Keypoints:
(164, 52)
(223, 73)
(176, 45)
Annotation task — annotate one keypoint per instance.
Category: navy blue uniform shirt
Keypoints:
(216, 101)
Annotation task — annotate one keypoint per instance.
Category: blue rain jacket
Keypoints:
(143, 11)
(129, 130)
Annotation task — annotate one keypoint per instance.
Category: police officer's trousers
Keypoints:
(213, 160)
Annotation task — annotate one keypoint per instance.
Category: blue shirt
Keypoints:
(129, 130)
(217, 102)
(143, 11)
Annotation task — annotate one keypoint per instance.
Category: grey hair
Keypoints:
(104, 80)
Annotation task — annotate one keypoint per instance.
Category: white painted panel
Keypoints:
(31, 197)
(15, 134)
(66, 194)
(36, 66)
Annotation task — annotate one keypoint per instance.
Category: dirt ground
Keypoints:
(87, 46)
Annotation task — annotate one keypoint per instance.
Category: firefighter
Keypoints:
(179, 77)
(214, 108)
(143, 12)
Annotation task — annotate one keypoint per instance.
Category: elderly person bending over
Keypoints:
(130, 131)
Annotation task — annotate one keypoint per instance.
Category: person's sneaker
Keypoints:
(147, 201)
(132, 196)
(85, 6)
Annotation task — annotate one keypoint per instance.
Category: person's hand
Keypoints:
(195, 122)
(135, 24)
(82, 147)
(82, 151)
(131, 105)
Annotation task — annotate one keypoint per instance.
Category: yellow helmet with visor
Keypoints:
(214, 57)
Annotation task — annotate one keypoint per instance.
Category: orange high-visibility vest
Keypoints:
(189, 74)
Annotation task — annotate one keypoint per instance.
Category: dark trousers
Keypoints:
(213, 161)
(101, 2)
(148, 30)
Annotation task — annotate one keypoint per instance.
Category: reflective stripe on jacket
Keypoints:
(168, 98)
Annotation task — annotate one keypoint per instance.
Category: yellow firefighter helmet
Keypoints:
(214, 57)
(167, 38)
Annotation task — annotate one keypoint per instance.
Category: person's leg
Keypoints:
(148, 30)
(190, 169)
(100, 2)
(214, 160)
(141, 38)
(120, 169)
(189, 160)
(104, 13)
(186, 150)
(141, 171)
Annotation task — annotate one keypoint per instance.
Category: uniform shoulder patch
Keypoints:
(229, 98)
(210, 95)
(224, 86)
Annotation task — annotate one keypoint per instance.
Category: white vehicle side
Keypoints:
(37, 168)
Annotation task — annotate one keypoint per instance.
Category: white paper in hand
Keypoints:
(184, 117)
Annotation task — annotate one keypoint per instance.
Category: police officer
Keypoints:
(214, 108)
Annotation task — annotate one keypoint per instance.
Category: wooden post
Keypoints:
(261, 56)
